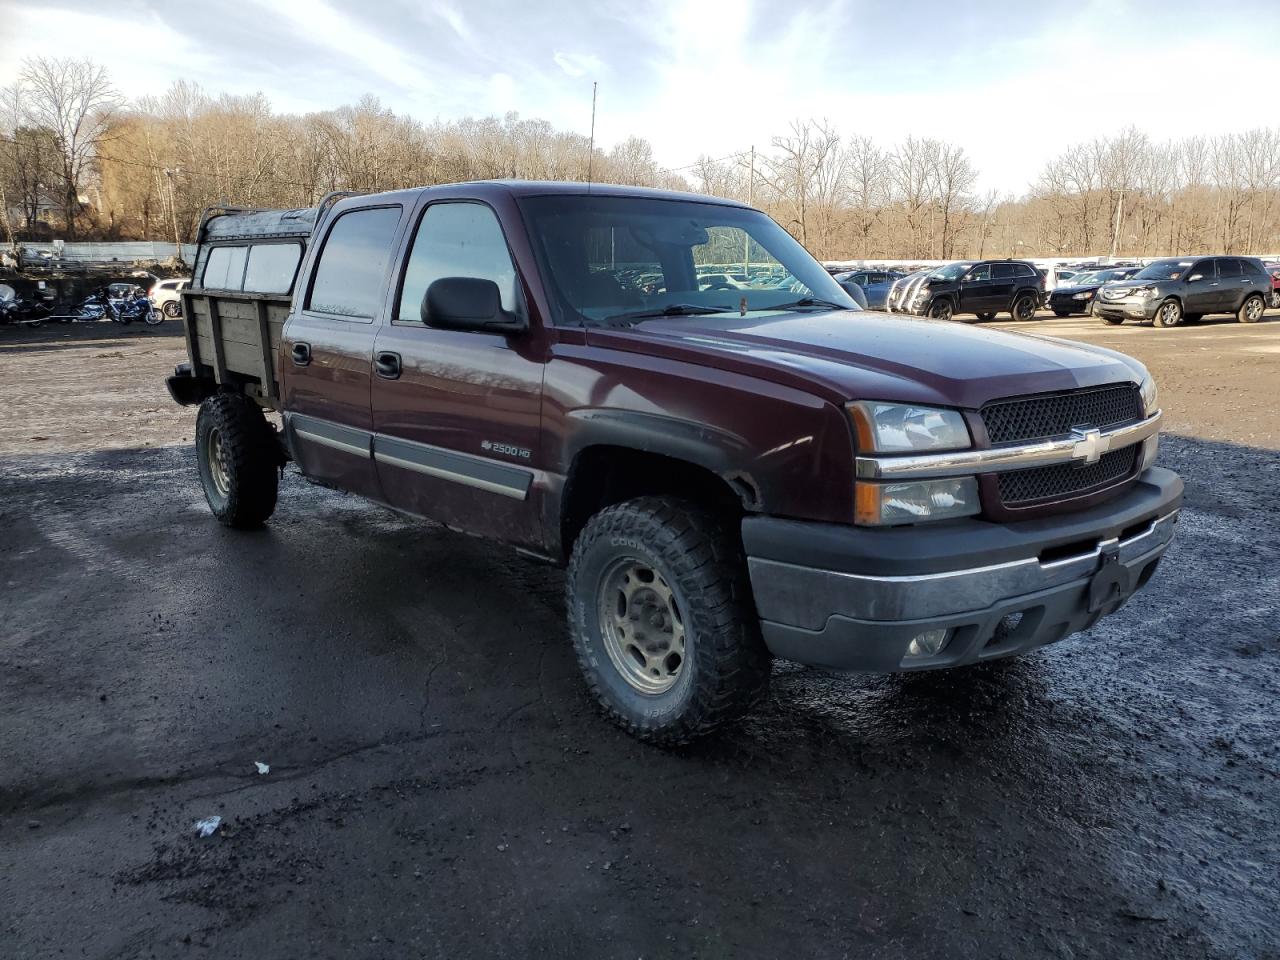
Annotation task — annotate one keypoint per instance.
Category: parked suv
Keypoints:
(728, 476)
(1169, 291)
(979, 289)
(166, 296)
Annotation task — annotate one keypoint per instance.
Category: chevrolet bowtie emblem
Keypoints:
(1089, 446)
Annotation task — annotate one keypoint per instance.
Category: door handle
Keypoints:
(301, 354)
(387, 365)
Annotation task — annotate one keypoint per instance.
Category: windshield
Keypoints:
(1080, 279)
(613, 260)
(1163, 270)
(952, 271)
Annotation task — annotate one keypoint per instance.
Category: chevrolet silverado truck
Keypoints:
(729, 475)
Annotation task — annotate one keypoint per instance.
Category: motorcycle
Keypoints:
(137, 306)
(19, 312)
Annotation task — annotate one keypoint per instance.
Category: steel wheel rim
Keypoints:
(1254, 309)
(642, 626)
(216, 454)
(1169, 314)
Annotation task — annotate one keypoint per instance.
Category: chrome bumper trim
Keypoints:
(1079, 449)
(806, 597)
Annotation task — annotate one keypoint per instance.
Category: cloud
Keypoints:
(577, 64)
(456, 21)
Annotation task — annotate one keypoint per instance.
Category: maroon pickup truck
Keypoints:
(668, 395)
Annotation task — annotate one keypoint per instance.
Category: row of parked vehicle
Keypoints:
(1165, 292)
(120, 302)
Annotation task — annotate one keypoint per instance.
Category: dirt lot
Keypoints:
(439, 784)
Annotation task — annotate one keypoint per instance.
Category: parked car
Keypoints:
(875, 284)
(855, 491)
(1175, 289)
(1078, 296)
(167, 296)
(979, 289)
(1274, 270)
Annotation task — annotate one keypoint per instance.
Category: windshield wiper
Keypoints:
(671, 310)
(808, 302)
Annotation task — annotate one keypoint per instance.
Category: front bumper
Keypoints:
(1130, 308)
(853, 598)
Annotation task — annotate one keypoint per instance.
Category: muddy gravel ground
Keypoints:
(440, 785)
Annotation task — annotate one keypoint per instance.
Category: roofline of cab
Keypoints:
(487, 189)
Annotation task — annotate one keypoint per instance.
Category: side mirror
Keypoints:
(468, 303)
(1194, 277)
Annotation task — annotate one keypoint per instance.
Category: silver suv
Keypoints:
(1167, 292)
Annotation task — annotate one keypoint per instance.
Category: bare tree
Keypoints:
(75, 101)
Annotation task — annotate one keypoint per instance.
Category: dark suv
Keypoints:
(1169, 291)
(981, 289)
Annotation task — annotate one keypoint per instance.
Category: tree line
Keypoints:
(79, 161)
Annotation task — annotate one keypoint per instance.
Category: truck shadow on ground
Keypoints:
(13, 338)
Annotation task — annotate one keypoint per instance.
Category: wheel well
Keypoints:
(604, 475)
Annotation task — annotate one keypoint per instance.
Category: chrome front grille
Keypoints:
(1019, 488)
(1053, 415)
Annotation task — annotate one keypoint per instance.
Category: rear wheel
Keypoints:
(985, 317)
(1275, 299)
(941, 309)
(239, 460)
(1252, 309)
(1062, 313)
(1024, 308)
(1169, 314)
(662, 621)
(172, 309)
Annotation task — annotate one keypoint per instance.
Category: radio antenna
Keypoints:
(591, 147)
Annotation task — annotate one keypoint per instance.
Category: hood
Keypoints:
(846, 355)
(1131, 284)
(1081, 287)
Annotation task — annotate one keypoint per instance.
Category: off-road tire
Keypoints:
(1252, 309)
(251, 460)
(1168, 315)
(941, 309)
(172, 309)
(1024, 308)
(725, 670)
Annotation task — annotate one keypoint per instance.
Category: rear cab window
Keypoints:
(348, 279)
(251, 268)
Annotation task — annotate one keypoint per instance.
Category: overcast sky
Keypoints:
(1012, 82)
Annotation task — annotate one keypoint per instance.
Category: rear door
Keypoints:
(1232, 284)
(457, 412)
(327, 348)
(1003, 283)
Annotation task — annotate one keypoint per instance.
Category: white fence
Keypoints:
(125, 252)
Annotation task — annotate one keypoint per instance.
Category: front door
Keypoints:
(976, 295)
(456, 413)
(1204, 294)
(327, 348)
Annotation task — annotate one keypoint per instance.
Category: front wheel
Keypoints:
(941, 309)
(662, 621)
(239, 459)
(1169, 314)
(986, 317)
(1113, 321)
(1275, 299)
(1062, 313)
(153, 317)
(1252, 309)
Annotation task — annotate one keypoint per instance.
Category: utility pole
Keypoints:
(591, 148)
(1115, 229)
(173, 210)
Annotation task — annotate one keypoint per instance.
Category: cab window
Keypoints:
(349, 275)
(456, 239)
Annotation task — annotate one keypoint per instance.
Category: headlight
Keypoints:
(1087, 295)
(1150, 396)
(901, 428)
(881, 504)
(1144, 292)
